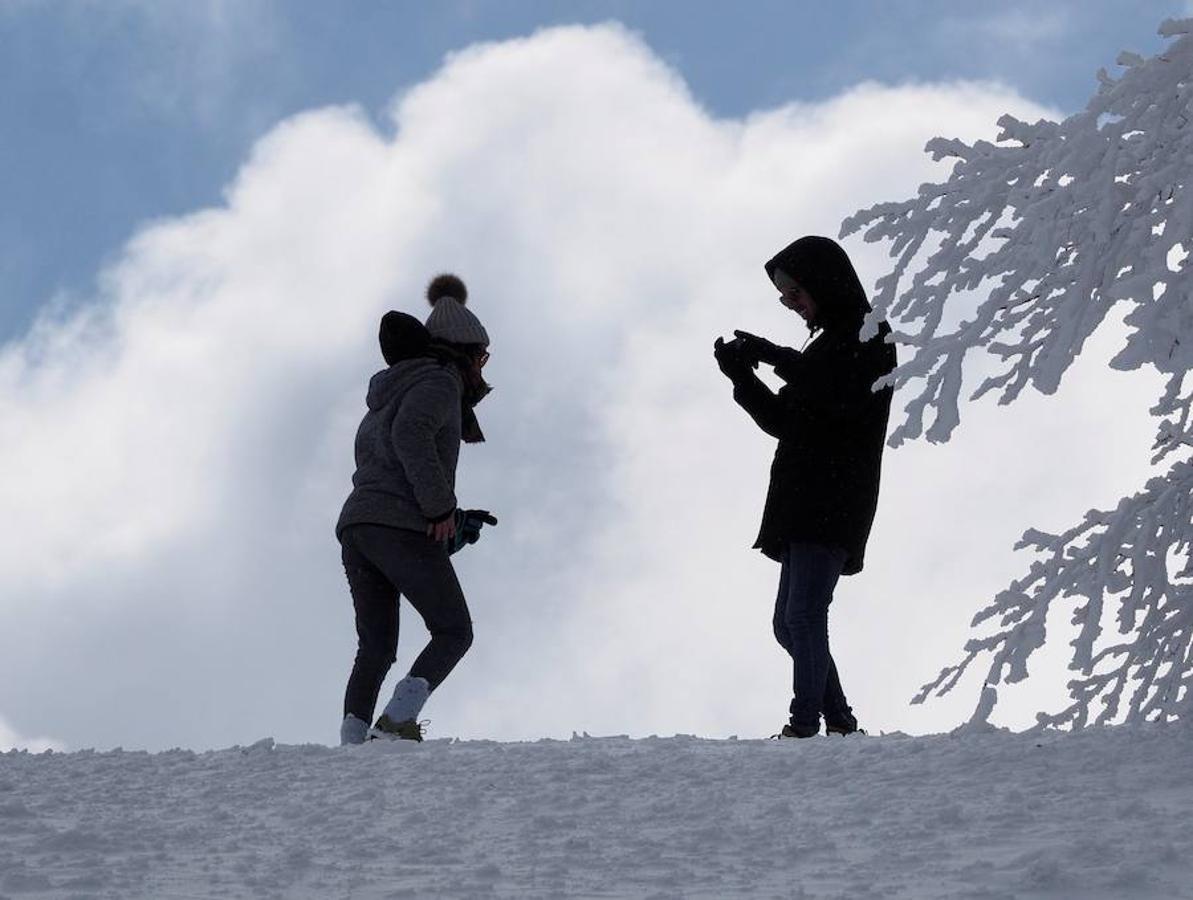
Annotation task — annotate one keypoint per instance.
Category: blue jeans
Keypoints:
(810, 573)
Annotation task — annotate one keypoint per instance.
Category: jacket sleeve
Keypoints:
(764, 407)
(424, 411)
(787, 363)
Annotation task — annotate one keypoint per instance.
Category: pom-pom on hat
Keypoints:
(450, 320)
(446, 285)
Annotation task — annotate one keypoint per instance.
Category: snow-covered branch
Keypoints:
(1054, 224)
(1136, 556)
(1049, 228)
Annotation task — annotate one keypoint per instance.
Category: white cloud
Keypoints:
(184, 444)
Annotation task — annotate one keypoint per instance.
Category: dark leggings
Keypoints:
(382, 563)
(810, 573)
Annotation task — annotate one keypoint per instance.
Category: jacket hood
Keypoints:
(823, 268)
(388, 382)
(402, 337)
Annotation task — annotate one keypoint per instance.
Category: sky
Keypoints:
(209, 205)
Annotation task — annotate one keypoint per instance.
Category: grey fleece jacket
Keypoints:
(407, 447)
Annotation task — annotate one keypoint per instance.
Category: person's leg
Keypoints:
(779, 624)
(813, 573)
(421, 570)
(375, 600)
(782, 632)
(838, 714)
(436, 595)
(837, 711)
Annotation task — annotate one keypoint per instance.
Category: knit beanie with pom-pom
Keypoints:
(450, 320)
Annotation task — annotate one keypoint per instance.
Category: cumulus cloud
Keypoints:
(178, 450)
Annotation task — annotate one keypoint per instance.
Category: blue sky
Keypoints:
(124, 111)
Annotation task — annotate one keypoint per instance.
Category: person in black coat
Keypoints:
(831, 427)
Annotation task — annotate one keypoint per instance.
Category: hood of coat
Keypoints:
(384, 385)
(823, 269)
(402, 337)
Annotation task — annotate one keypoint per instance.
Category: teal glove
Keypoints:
(468, 527)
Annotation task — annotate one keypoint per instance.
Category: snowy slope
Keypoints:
(1104, 813)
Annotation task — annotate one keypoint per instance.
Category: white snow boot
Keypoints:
(353, 731)
(400, 719)
(407, 702)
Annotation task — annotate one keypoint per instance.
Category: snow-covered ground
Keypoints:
(1103, 813)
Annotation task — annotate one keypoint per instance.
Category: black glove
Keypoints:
(729, 358)
(759, 349)
(468, 527)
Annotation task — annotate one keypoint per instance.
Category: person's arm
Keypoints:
(427, 407)
(748, 390)
(785, 360)
(787, 364)
(766, 409)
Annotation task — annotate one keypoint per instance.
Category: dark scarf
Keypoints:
(475, 387)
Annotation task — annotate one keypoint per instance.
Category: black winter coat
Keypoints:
(831, 426)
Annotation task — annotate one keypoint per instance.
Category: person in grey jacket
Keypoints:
(401, 518)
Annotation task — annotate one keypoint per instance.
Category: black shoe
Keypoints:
(387, 729)
(798, 731)
(842, 726)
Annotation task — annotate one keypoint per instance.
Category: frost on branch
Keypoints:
(1126, 556)
(1049, 228)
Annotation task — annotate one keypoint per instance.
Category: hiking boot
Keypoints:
(798, 731)
(389, 730)
(846, 725)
